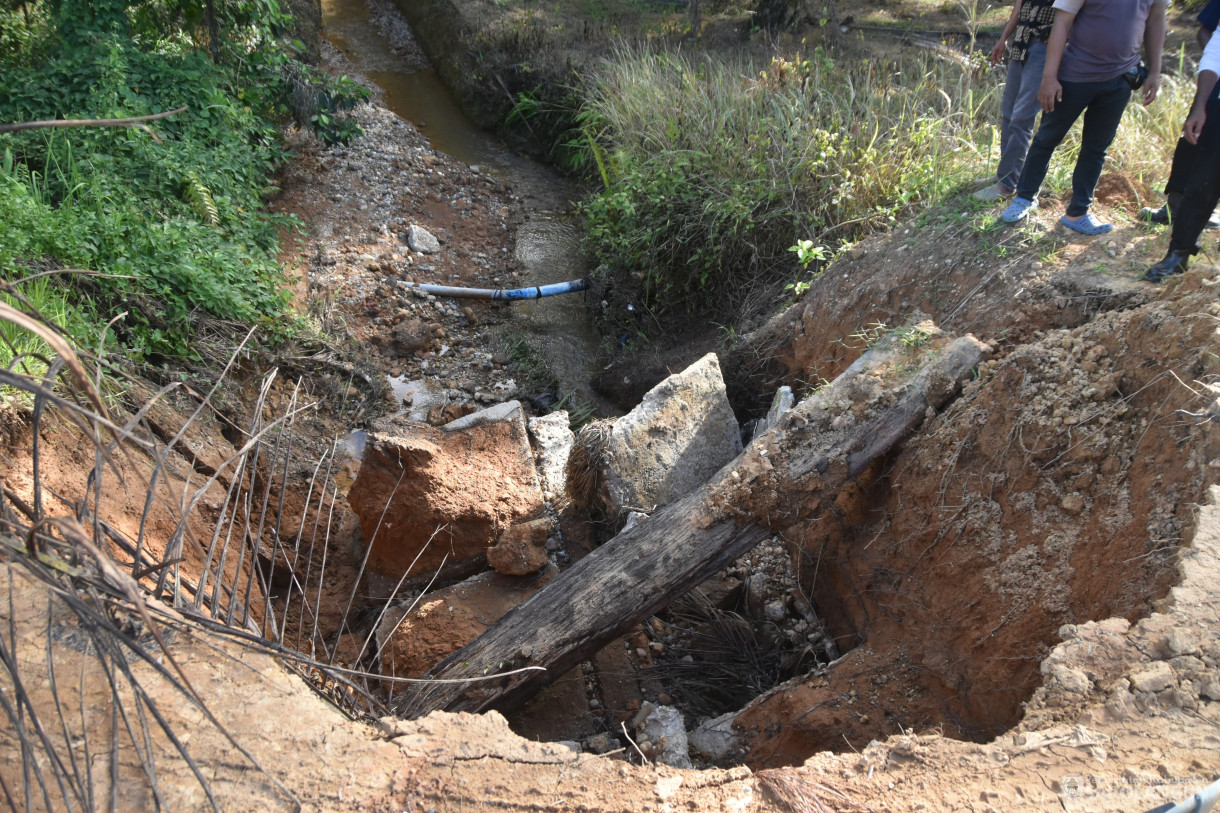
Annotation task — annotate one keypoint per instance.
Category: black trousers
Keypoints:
(1102, 105)
(1200, 183)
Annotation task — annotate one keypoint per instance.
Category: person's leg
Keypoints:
(1012, 88)
(1199, 199)
(1202, 192)
(1020, 113)
(1051, 132)
(1179, 170)
(1179, 175)
(1101, 120)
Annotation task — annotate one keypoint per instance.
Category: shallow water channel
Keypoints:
(548, 242)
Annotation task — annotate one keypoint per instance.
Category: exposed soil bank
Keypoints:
(1071, 482)
(1058, 490)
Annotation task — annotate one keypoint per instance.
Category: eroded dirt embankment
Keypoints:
(1061, 487)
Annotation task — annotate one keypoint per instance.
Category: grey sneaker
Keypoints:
(994, 192)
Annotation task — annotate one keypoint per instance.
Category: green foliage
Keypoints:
(21, 350)
(176, 226)
(200, 199)
(713, 167)
(806, 254)
(318, 99)
(579, 412)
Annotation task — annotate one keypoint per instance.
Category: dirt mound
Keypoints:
(1057, 490)
(1118, 188)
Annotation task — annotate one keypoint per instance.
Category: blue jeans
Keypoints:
(1102, 104)
(1019, 111)
(1201, 190)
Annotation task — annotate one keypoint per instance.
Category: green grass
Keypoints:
(713, 169)
(22, 351)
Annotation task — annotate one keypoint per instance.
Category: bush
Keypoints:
(179, 219)
(176, 225)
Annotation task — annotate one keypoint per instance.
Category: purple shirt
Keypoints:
(1105, 39)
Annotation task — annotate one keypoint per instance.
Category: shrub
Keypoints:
(176, 225)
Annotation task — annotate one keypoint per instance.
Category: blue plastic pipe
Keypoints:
(536, 292)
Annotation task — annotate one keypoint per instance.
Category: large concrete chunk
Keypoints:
(553, 439)
(466, 483)
(681, 434)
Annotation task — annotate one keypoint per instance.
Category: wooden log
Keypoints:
(784, 476)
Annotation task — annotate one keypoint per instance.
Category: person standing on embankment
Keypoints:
(1202, 191)
(1028, 26)
(1092, 67)
(1181, 170)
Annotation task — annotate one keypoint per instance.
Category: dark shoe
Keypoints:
(1150, 215)
(1169, 213)
(1174, 263)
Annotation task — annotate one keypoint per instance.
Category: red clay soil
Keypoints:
(1058, 489)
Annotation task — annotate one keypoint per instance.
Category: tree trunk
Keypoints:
(786, 475)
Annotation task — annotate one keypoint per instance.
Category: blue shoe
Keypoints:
(1087, 225)
(1018, 210)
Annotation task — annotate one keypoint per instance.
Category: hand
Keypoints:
(997, 53)
(1050, 92)
(1194, 125)
(1152, 86)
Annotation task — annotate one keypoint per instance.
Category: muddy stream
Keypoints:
(548, 242)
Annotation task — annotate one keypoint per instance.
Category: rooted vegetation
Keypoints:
(712, 169)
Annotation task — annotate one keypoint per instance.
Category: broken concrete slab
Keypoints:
(681, 434)
(507, 412)
(553, 441)
(443, 494)
(783, 401)
(716, 740)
